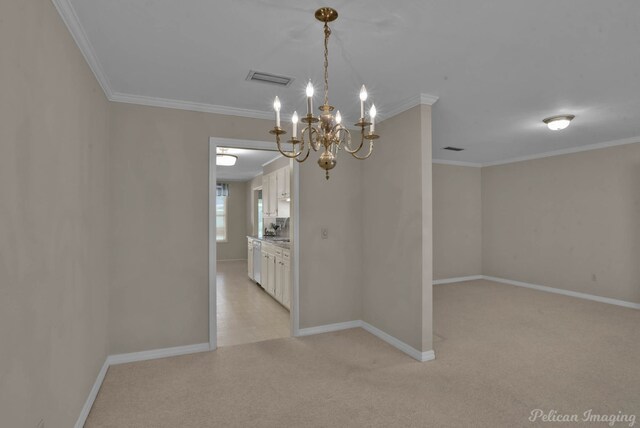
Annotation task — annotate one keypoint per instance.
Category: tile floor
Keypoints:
(246, 313)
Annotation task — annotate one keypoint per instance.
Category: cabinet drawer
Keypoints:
(268, 248)
(285, 254)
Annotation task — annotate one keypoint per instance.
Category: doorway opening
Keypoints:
(253, 260)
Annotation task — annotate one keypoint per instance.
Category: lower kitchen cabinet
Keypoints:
(276, 273)
(286, 281)
(250, 258)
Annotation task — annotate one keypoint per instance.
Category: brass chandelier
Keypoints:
(329, 135)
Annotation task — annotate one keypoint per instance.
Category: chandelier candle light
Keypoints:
(329, 135)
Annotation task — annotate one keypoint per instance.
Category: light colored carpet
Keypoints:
(501, 351)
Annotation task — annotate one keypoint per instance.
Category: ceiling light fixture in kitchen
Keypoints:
(329, 135)
(225, 159)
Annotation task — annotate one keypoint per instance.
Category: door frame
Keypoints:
(294, 317)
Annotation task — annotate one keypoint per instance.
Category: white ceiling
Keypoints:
(249, 164)
(498, 67)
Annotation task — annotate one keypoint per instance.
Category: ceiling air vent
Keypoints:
(273, 79)
(453, 149)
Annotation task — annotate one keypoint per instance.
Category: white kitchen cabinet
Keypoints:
(279, 279)
(266, 191)
(283, 194)
(282, 176)
(269, 270)
(276, 192)
(276, 273)
(286, 280)
(287, 182)
(273, 199)
(272, 274)
(250, 258)
(264, 269)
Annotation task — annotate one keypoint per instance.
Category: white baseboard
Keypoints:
(128, 358)
(93, 393)
(565, 292)
(393, 341)
(458, 279)
(398, 344)
(329, 328)
(157, 353)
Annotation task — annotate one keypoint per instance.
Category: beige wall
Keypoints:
(159, 209)
(330, 269)
(53, 219)
(397, 237)
(457, 221)
(236, 246)
(570, 222)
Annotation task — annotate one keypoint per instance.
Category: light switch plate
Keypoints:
(324, 232)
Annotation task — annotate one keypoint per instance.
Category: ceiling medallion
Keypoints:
(329, 135)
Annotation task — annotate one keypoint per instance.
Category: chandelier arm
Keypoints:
(342, 138)
(290, 155)
(313, 142)
(300, 160)
(355, 154)
(350, 149)
(363, 137)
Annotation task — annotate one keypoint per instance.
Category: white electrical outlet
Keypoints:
(324, 232)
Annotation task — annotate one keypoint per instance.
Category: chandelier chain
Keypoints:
(327, 33)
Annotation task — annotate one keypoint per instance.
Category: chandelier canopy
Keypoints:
(326, 132)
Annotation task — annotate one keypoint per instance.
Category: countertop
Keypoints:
(268, 240)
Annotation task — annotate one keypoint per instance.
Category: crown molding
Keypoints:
(586, 148)
(70, 19)
(568, 151)
(428, 99)
(456, 163)
(188, 105)
(406, 104)
(272, 161)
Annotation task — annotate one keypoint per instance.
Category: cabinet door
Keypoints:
(273, 200)
(266, 206)
(278, 284)
(286, 283)
(287, 182)
(281, 182)
(250, 258)
(264, 270)
(272, 275)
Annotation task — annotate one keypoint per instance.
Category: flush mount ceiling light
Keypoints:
(557, 123)
(329, 135)
(225, 159)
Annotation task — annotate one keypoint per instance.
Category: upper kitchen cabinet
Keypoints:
(283, 178)
(276, 193)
